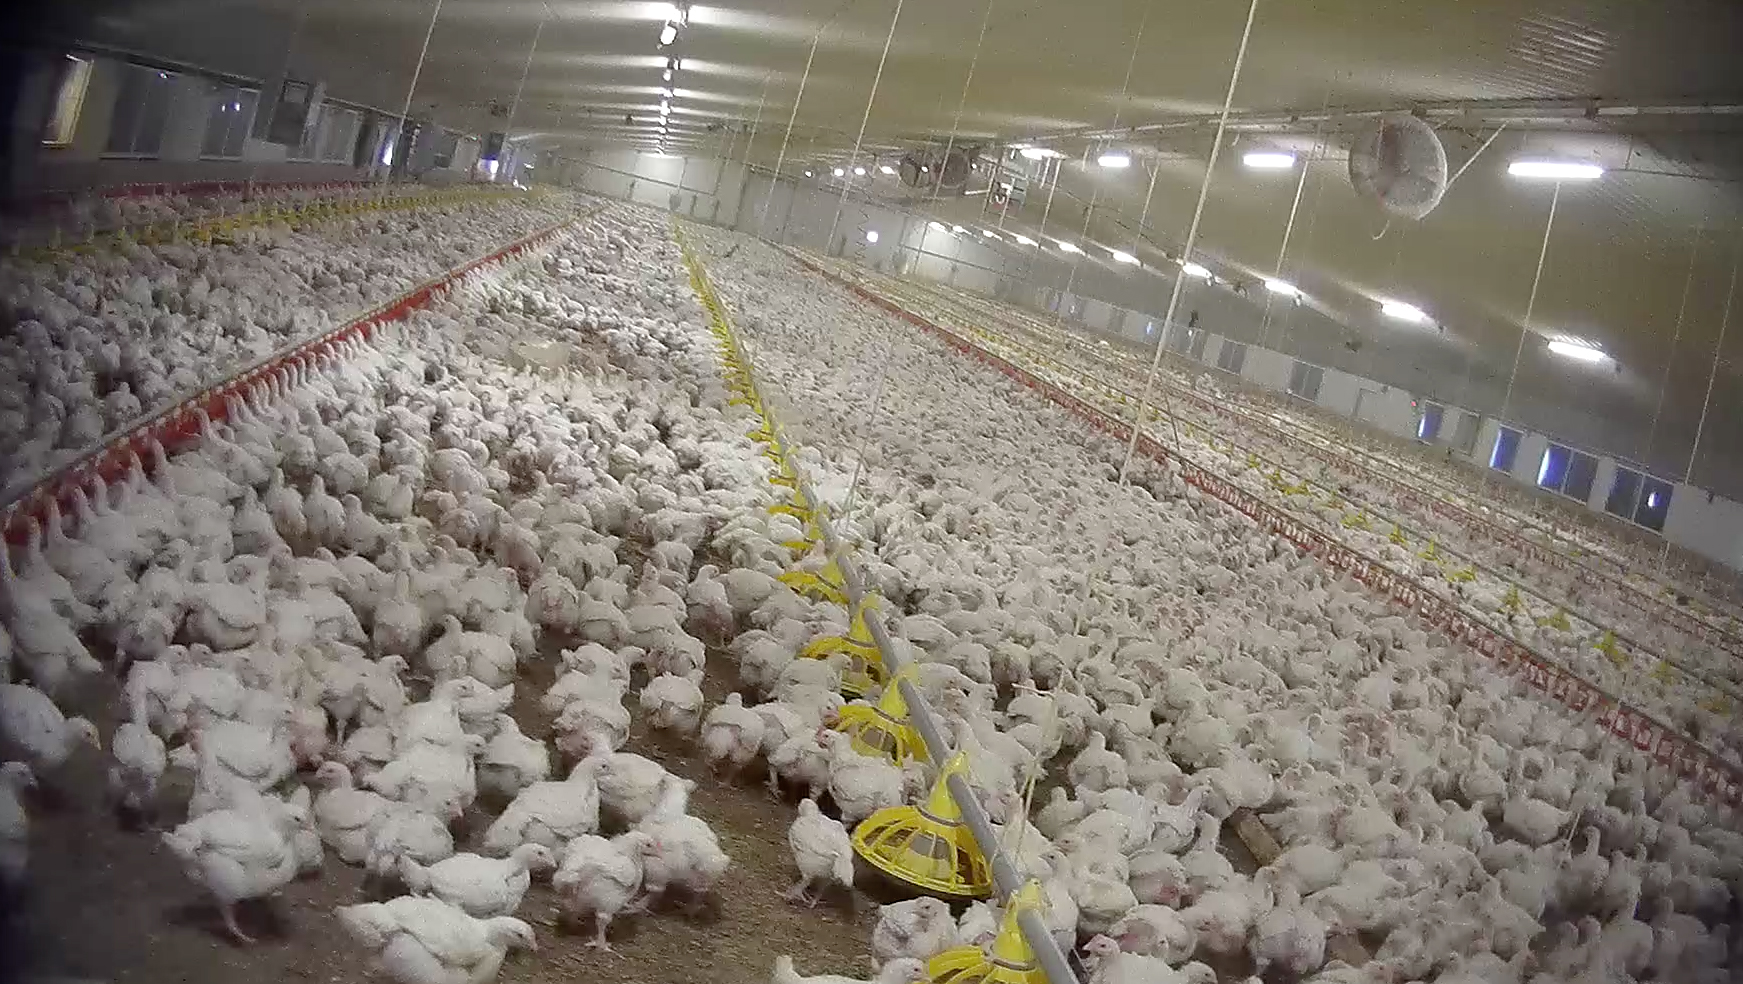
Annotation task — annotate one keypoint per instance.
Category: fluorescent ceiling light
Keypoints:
(668, 33)
(1283, 287)
(1194, 270)
(1269, 161)
(941, 227)
(1123, 257)
(1025, 240)
(666, 76)
(669, 93)
(886, 169)
(958, 229)
(838, 172)
(1038, 153)
(807, 174)
(1559, 170)
(1115, 159)
(1065, 247)
(1403, 311)
(1574, 350)
(665, 108)
(860, 171)
(871, 235)
(988, 233)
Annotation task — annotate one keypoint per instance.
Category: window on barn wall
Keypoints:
(1654, 503)
(1552, 467)
(1428, 428)
(1196, 346)
(69, 99)
(141, 110)
(1582, 472)
(1624, 492)
(1305, 380)
(339, 135)
(1232, 357)
(1506, 451)
(229, 114)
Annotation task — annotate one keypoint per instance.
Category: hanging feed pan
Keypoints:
(884, 729)
(865, 669)
(1009, 960)
(928, 847)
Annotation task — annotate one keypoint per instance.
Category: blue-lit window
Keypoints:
(1582, 472)
(1428, 428)
(1506, 450)
(1552, 467)
(1654, 504)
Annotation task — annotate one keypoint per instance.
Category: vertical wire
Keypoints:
(781, 158)
(1294, 209)
(1530, 304)
(513, 107)
(1186, 254)
(1664, 380)
(1713, 375)
(962, 100)
(405, 110)
(871, 98)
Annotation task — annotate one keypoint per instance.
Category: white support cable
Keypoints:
(1186, 254)
(1675, 336)
(1713, 376)
(781, 158)
(962, 100)
(1294, 209)
(513, 107)
(870, 99)
(405, 110)
(1530, 310)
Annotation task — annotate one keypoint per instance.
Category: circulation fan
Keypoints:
(922, 168)
(1399, 164)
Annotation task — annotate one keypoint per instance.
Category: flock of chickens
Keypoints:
(325, 616)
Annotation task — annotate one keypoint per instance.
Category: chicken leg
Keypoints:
(800, 892)
(228, 911)
(598, 942)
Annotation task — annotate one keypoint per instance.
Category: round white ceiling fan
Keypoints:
(1398, 163)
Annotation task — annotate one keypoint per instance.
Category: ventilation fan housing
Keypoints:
(1399, 164)
(924, 168)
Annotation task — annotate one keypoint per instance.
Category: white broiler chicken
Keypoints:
(1290, 936)
(1155, 931)
(426, 941)
(672, 703)
(732, 735)
(511, 761)
(601, 878)
(15, 780)
(822, 852)
(919, 928)
(903, 971)
(859, 784)
(236, 854)
(687, 857)
(139, 760)
(548, 813)
(345, 814)
(401, 831)
(33, 729)
(479, 886)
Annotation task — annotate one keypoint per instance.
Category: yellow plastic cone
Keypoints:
(883, 729)
(1010, 959)
(928, 847)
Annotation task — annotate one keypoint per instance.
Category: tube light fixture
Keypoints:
(1576, 351)
(1065, 247)
(1559, 170)
(1114, 159)
(935, 224)
(807, 174)
(1025, 241)
(958, 229)
(1269, 160)
(1194, 270)
(840, 173)
(666, 76)
(989, 234)
(1038, 153)
(1120, 256)
(668, 33)
(1283, 287)
(871, 236)
(665, 108)
(886, 169)
(859, 172)
(1403, 311)
(669, 92)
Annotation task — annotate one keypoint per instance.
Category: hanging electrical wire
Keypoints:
(877, 79)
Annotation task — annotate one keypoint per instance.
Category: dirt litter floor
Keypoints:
(108, 904)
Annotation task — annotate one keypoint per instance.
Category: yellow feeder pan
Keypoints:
(813, 536)
(824, 585)
(928, 847)
(865, 667)
(883, 729)
(1009, 960)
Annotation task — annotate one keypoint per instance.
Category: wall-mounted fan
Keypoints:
(925, 168)
(1399, 164)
